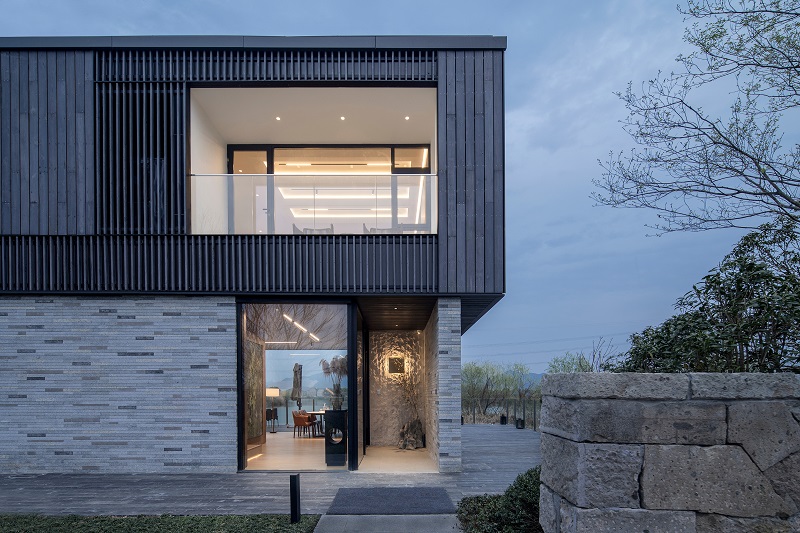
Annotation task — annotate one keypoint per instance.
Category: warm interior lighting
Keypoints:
(424, 158)
(384, 212)
(300, 327)
(272, 392)
(342, 193)
(277, 118)
(408, 118)
(341, 118)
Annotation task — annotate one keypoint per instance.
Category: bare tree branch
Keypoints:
(701, 172)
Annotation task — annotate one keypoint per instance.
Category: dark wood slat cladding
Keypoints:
(266, 65)
(46, 142)
(471, 172)
(232, 264)
(141, 158)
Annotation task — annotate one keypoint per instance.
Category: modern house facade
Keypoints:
(192, 228)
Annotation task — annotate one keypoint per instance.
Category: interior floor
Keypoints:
(284, 451)
(391, 460)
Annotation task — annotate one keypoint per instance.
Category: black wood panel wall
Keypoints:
(241, 264)
(141, 158)
(471, 172)
(131, 191)
(46, 142)
(267, 65)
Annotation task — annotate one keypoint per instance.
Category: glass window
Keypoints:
(300, 350)
(317, 191)
(416, 157)
(333, 161)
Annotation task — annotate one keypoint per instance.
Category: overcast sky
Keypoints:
(574, 271)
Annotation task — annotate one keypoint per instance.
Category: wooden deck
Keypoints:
(492, 457)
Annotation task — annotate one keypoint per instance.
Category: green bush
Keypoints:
(516, 510)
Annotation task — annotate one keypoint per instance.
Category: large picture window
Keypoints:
(294, 369)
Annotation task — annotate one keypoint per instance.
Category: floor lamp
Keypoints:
(272, 393)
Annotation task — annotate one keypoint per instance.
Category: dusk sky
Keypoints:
(575, 272)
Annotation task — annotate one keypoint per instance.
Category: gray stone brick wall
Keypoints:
(145, 384)
(443, 374)
(670, 452)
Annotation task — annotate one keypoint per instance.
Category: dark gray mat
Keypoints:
(392, 500)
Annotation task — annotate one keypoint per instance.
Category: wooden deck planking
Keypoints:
(492, 457)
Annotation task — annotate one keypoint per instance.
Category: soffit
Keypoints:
(387, 313)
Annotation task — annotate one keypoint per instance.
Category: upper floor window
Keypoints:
(330, 187)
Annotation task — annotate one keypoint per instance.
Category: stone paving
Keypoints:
(492, 457)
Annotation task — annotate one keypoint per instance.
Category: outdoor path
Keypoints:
(492, 457)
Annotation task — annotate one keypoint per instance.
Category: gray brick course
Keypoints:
(118, 384)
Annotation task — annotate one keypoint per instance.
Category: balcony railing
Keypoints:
(285, 204)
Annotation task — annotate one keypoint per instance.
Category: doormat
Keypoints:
(392, 500)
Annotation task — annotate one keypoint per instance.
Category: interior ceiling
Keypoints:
(382, 313)
(312, 115)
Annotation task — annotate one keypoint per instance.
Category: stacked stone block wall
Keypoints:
(670, 452)
(118, 384)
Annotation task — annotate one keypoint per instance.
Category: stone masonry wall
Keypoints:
(117, 384)
(670, 452)
(447, 394)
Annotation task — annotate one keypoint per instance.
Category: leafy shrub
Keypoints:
(516, 510)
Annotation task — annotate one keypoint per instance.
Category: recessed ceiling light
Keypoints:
(277, 118)
(407, 118)
(397, 325)
(341, 118)
(395, 309)
(240, 170)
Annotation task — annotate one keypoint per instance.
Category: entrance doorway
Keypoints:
(294, 370)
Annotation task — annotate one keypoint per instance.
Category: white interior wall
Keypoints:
(208, 156)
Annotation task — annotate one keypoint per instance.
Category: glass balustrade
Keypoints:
(275, 204)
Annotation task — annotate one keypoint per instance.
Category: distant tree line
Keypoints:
(486, 385)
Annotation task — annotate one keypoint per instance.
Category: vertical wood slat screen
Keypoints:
(471, 172)
(266, 65)
(46, 142)
(245, 264)
(141, 161)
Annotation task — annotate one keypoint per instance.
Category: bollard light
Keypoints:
(294, 494)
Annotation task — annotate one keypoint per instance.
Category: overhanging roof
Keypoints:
(365, 42)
